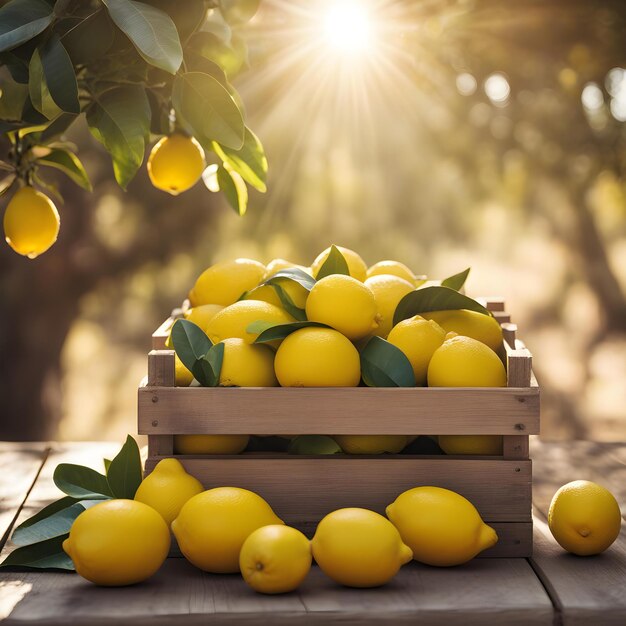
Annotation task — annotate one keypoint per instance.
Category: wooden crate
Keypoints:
(302, 489)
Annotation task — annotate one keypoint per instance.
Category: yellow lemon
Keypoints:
(225, 282)
(359, 548)
(276, 265)
(203, 314)
(465, 362)
(372, 444)
(317, 357)
(356, 265)
(212, 526)
(388, 290)
(31, 222)
(471, 444)
(167, 488)
(210, 444)
(395, 268)
(275, 559)
(267, 293)
(183, 377)
(345, 304)
(440, 526)
(234, 320)
(118, 542)
(469, 324)
(584, 517)
(176, 163)
(418, 339)
(247, 365)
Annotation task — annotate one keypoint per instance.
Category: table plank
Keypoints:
(585, 590)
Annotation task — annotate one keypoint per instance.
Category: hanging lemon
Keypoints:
(176, 163)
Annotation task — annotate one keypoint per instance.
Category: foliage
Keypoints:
(134, 70)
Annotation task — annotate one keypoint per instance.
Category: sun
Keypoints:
(347, 27)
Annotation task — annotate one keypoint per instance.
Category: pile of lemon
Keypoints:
(450, 348)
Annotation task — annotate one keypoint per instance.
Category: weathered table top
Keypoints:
(551, 588)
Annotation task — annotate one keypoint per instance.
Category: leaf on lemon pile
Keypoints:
(81, 482)
(190, 342)
(288, 304)
(434, 299)
(295, 274)
(313, 444)
(335, 263)
(456, 281)
(385, 365)
(278, 331)
(124, 473)
(207, 369)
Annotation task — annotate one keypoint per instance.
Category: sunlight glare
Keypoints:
(347, 27)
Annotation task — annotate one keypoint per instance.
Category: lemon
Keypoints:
(471, 444)
(469, 324)
(465, 362)
(234, 320)
(418, 339)
(388, 290)
(372, 444)
(584, 517)
(167, 488)
(210, 444)
(176, 163)
(440, 526)
(356, 265)
(345, 304)
(276, 265)
(275, 559)
(118, 542)
(31, 222)
(359, 548)
(203, 314)
(183, 377)
(267, 293)
(395, 268)
(212, 526)
(317, 357)
(247, 365)
(225, 282)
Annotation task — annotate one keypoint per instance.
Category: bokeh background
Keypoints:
(464, 133)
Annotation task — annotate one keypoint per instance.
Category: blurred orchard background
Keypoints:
(441, 133)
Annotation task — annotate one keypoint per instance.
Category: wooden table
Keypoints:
(551, 588)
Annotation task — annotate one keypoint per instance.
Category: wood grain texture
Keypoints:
(338, 411)
(161, 368)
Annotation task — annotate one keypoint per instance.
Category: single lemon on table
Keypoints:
(225, 282)
(247, 365)
(203, 314)
(440, 526)
(418, 339)
(472, 324)
(118, 542)
(471, 444)
(372, 444)
(275, 559)
(395, 268)
(31, 222)
(167, 488)
(356, 265)
(465, 362)
(317, 357)
(212, 526)
(182, 376)
(388, 290)
(345, 304)
(176, 163)
(210, 444)
(584, 517)
(233, 321)
(359, 548)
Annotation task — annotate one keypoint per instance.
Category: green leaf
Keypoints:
(249, 162)
(81, 482)
(313, 444)
(295, 274)
(54, 525)
(190, 342)
(279, 331)
(456, 281)
(43, 555)
(434, 299)
(107, 464)
(207, 370)
(151, 31)
(288, 303)
(47, 511)
(57, 127)
(385, 365)
(68, 163)
(207, 108)
(14, 95)
(124, 474)
(59, 73)
(234, 188)
(90, 39)
(120, 120)
(21, 20)
(40, 95)
(335, 263)
(213, 47)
